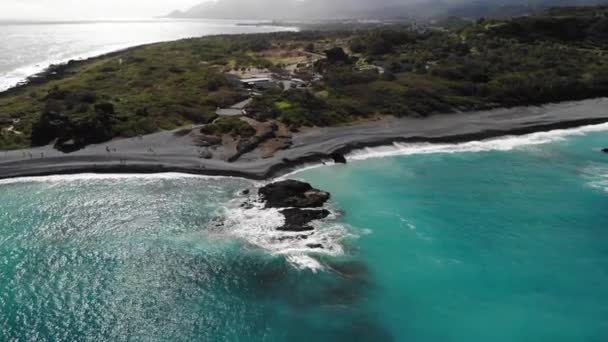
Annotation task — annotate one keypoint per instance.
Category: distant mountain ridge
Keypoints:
(367, 9)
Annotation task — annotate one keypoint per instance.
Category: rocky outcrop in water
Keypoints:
(605, 150)
(301, 200)
(338, 158)
(297, 220)
(292, 194)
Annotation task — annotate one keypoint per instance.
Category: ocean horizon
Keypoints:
(497, 240)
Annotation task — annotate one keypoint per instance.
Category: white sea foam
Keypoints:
(597, 177)
(305, 168)
(258, 227)
(506, 143)
(97, 176)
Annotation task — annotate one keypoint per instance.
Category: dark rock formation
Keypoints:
(297, 220)
(338, 158)
(302, 201)
(292, 193)
(605, 150)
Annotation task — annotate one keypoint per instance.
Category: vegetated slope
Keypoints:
(387, 70)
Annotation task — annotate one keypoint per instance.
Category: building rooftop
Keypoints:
(256, 80)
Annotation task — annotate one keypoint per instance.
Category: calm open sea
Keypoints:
(505, 240)
(29, 47)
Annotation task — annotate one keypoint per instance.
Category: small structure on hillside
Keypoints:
(258, 82)
(298, 83)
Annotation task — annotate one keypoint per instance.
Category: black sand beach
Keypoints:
(166, 152)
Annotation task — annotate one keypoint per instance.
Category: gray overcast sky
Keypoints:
(86, 9)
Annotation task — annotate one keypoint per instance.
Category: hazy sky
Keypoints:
(86, 9)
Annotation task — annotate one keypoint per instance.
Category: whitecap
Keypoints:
(506, 143)
(306, 167)
(258, 227)
(597, 177)
(109, 176)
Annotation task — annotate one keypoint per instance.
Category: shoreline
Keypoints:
(56, 70)
(175, 154)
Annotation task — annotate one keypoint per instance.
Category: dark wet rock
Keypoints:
(315, 246)
(295, 228)
(605, 150)
(293, 238)
(293, 194)
(247, 205)
(246, 192)
(338, 158)
(297, 220)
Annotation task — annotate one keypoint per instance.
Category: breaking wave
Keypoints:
(507, 143)
(103, 176)
(258, 227)
(597, 177)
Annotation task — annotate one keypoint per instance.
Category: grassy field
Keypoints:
(473, 65)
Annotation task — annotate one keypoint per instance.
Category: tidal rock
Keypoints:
(295, 229)
(293, 194)
(338, 158)
(302, 202)
(315, 246)
(247, 205)
(605, 150)
(293, 238)
(297, 220)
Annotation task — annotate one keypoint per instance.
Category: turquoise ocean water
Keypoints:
(505, 240)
